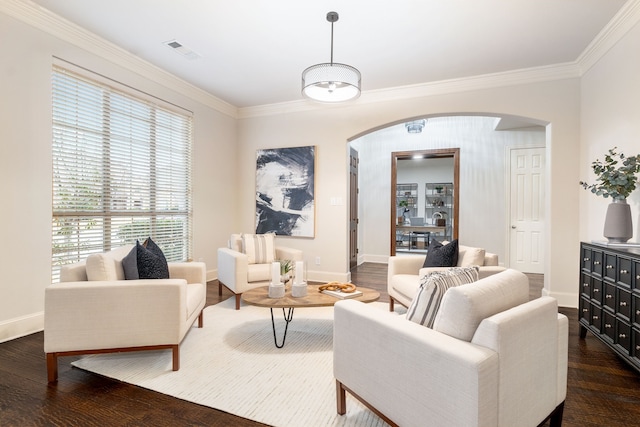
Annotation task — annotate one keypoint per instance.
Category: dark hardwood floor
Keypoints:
(602, 389)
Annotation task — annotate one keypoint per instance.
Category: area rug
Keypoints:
(233, 365)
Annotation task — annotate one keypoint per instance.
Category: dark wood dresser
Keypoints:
(610, 298)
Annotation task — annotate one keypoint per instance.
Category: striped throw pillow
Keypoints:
(259, 248)
(425, 305)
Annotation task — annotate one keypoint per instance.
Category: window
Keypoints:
(121, 172)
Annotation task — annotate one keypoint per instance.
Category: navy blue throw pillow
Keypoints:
(439, 255)
(151, 261)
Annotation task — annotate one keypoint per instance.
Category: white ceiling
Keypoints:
(253, 51)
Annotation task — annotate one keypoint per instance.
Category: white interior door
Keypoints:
(526, 246)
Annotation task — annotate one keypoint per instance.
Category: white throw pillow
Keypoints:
(107, 265)
(259, 248)
(468, 256)
(433, 286)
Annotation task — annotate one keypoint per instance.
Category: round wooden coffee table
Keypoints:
(260, 297)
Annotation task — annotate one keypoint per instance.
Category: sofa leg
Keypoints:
(556, 416)
(341, 398)
(391, 307)
(176, 357)
(219, 287)
(52, 367)
(201, 319)
(238, 301)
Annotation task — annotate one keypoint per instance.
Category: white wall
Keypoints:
(26, 171)
(483, 158)
(610, 118)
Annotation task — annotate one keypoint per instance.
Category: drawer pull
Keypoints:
(637, 276)
(607, 325)
(596, 262)
(638, 347)
(608, 296)
(622, 336)
(584, 310)
(637, 312)
(609, 266)
(623, 303)
(586, 285)
(596, 290)
(585, 259)
(595, 317)
(624, 271)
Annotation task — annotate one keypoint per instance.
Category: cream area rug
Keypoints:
(233, 365)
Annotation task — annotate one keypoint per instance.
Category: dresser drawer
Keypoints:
(585, 285)
(596, 262)
(635, 313)
(635, 350)
(608, 326)
(596, 317)
(635, 276)
(624, 271)
(596, 290)
(623, 336)
(609, 299)
(623, 304)
(585, 264)
(610, 266)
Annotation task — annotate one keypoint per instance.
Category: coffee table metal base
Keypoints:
(288, 317)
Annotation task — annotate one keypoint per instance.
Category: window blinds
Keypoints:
(121, 172)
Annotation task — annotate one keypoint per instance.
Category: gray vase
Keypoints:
(617, 224)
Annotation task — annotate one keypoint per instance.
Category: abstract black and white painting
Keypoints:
(285, 202)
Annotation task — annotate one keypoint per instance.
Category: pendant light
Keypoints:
(331, 82)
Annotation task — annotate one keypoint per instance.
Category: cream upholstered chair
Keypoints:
(246, 262)
(404, 271)
(94, 310)
(492, 358)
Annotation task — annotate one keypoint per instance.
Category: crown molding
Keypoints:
(48, 22)
(465, 84)
(626, 18)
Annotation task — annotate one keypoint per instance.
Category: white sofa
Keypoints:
(492, 359)
(110, 314)
(238, 272)
(404, 271)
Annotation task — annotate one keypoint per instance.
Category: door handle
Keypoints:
(513, 227)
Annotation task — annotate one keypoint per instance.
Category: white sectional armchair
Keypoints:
(492, 359)
(404, 271)
(94, 310)
(246, 262)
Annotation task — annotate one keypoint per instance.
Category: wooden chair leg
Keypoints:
(176, 357)
(341, 398)
(391, 306)
(52, 367)
(219, 288)
(238, 301)
(201, 319)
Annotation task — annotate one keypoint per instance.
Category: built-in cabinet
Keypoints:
(609, 304)
(438, 206)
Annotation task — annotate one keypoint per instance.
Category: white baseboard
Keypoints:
(565, 299)
(21, 326)
(378, 259)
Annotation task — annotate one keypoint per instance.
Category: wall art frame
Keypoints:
(285, 191)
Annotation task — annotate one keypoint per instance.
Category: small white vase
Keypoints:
(276, 290)
(299, 290)
(618, 227)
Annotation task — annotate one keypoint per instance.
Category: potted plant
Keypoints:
(616, 178)
(403, 206)
(286, 265)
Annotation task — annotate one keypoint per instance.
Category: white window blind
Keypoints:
(121, 172)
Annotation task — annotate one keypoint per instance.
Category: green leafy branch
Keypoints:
(616, 176)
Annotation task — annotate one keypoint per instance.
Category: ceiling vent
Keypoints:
(178, 47)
